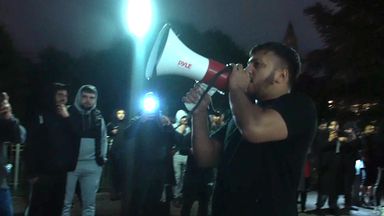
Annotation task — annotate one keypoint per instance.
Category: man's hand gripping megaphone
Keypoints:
(199, 97)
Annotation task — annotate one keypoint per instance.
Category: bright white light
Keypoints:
(150, 103)
(138, 16)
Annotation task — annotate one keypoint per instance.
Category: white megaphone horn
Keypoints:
(169, 56)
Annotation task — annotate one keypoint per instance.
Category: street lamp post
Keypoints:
(138, 16)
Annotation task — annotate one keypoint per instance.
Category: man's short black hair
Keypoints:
(287, 54)
(59, 86)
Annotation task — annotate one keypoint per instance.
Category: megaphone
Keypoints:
(169, 56)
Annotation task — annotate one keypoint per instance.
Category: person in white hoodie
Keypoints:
(180, 158)
(89, 126)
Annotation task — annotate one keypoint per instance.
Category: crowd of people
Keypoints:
(66, 148)
(347, 156)
(257, 158)
(149, 173)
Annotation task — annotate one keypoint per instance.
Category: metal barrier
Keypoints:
(12, 155)
(17, 149)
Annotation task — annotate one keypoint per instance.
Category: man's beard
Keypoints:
(267, 81)
(261, 85)
(86, 107)
(270, 79)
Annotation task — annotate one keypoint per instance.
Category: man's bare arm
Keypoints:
(205, 150)
(256, 124)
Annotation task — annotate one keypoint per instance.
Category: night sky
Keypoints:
(77, 26)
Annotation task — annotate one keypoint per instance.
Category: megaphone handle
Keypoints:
(211, 91)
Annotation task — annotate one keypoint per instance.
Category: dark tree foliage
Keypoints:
(109, 70)
(353, 32)
(14, 74)
(315, 80)
(55, 65)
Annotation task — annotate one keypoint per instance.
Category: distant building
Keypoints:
(290, 38)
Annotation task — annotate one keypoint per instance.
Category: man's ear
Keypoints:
(282, 75)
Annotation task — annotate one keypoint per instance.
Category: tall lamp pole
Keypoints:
(138, 16)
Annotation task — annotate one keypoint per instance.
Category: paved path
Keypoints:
(106, 207)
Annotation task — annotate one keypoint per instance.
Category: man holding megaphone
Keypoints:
(261, 151)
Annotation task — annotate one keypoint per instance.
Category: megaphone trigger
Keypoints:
(211, 90)
(207, 90)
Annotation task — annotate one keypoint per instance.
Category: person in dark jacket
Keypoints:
(10, 131)
(369, 138)
(198, 183)
(378, 158)
(90, 150)
(335, 164)
(348, 156)
(304, 184)
(328, 166)
(47, 154)
(117, 153)
(149, 175)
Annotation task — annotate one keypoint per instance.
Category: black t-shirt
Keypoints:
(262, 178)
